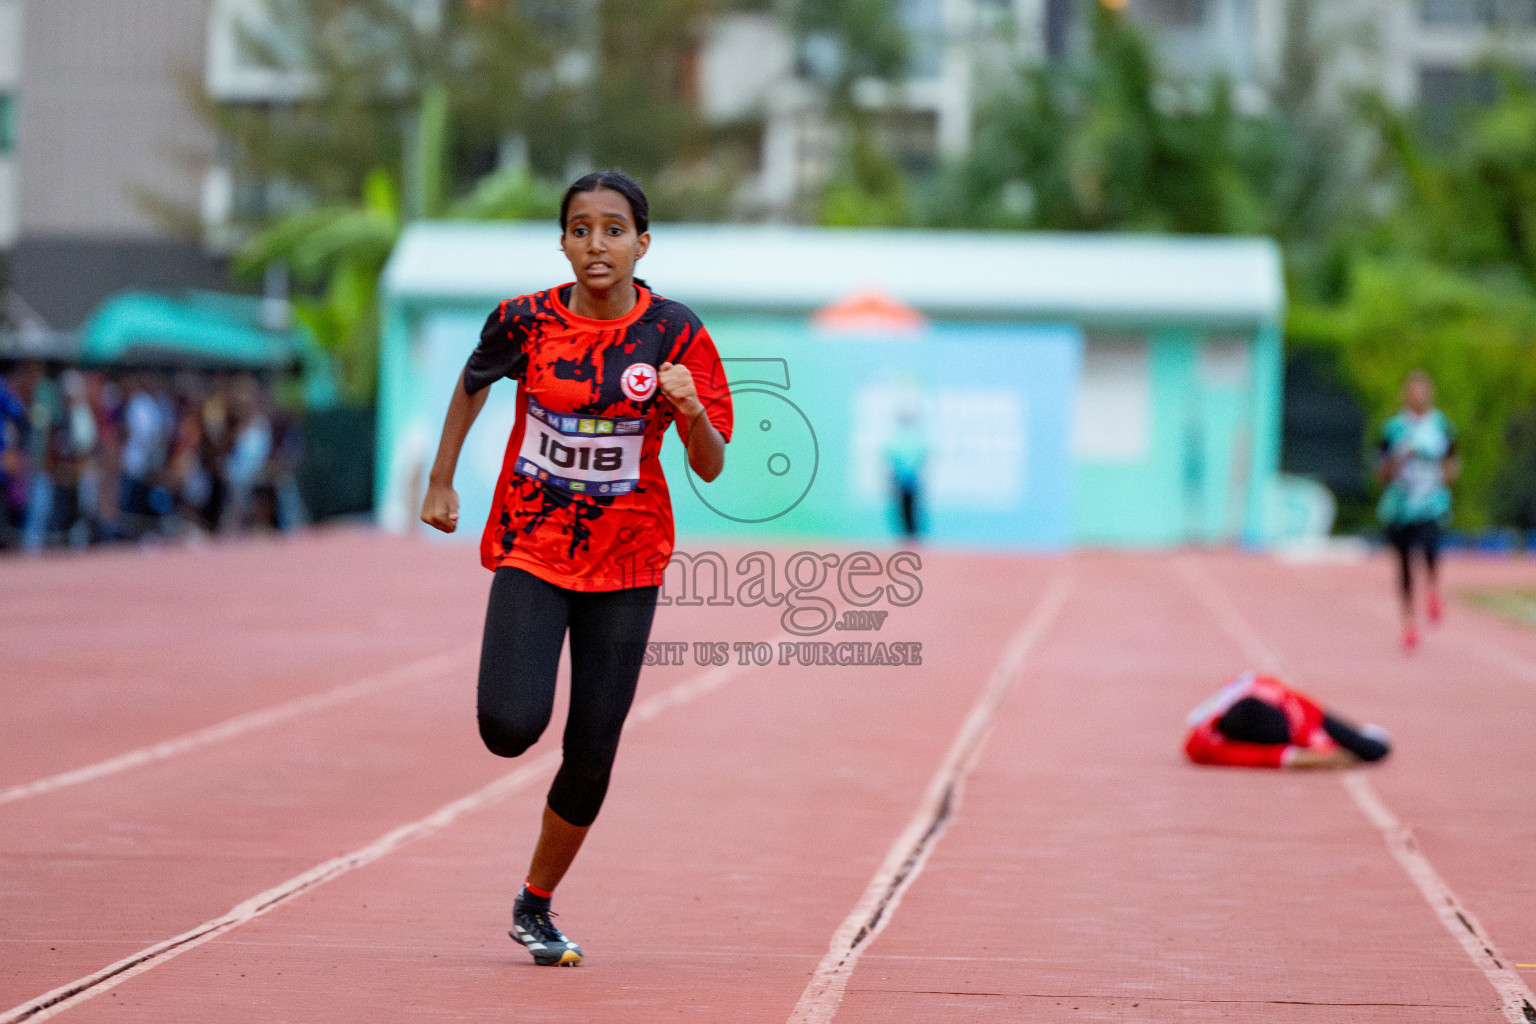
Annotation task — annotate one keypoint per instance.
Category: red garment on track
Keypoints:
(584, 504)
(1207, 745)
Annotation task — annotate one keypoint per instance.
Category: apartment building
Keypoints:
(10, 83)
(1441, 59)
(752, 68)
(100, 147)
(1431, 54)
(105, 148)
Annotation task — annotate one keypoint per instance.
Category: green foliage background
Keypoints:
(1446, 281)
(1399, 254)
(1475, 340)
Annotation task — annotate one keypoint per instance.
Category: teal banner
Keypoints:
(977, 416)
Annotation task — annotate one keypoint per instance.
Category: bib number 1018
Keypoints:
(582, 457)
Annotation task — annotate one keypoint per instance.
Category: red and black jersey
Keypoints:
(582, 502)
(1303, 725)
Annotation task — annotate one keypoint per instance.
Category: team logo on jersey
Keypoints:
(639, 381)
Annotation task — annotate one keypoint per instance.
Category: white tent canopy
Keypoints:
(799, 269)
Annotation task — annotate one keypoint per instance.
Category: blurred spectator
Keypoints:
(250, 446)
(189, 473)
(90, 456)
(71, 467)
(16, 385)
(283, 470)
(45, 410)
(146, 432)
(107, 403)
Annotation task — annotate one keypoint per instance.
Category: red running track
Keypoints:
(1082, 872)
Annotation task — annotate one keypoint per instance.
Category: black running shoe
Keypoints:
(533, 928)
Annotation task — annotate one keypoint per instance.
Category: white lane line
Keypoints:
(1238, 629)
(240, 725)
(1515, 998)
(909, 853)
(76, 992)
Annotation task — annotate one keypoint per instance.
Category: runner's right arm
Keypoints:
(499, 354)
(1388, 461)
(1206, 745)
(440, 508)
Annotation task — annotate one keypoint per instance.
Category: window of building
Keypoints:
(7, 123)
(911, 137)
(1170, 13)
(923, 21)
(1480, 13)
(1112, 421)
(1516, 13)
(1457, 12)
(1446, 95)
(1060, 26)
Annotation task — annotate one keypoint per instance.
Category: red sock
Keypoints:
(542, 894)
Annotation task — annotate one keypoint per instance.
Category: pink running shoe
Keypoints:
(1433, 607)
(1410, 638)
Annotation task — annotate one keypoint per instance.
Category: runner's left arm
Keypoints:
(706, 445)
(693, 380)
(1450, 467)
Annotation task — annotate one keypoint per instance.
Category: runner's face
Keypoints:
(1418, 394)
(600, 239)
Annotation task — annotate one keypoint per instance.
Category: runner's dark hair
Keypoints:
(619, 182)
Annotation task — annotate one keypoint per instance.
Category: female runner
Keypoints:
(581, 527)
(1418, 464)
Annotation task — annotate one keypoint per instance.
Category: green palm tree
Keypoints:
(337, 252)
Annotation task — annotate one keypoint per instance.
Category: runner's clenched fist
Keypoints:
(676, 383)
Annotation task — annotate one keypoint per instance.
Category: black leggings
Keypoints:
(1406, 537)
(525, 625)
(1251, 720)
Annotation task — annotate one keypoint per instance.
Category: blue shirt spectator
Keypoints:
(15, 438)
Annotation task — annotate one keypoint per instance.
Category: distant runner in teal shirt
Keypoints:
(1418, 464)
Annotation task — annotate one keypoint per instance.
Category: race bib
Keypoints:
(1424, 446)
(581, 454)
(1421, 478)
